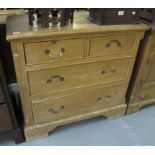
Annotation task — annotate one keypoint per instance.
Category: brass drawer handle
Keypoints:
(117, 42)
(113, 70)
(61, 109)
(51, 55)
(61, 51)
(103, 72)
(143, 97)
(103, 97)
(55, 77)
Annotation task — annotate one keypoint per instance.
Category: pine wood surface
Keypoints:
(88, 79)
(142, 87)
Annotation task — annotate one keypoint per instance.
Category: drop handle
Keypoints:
(103, 72)
(61, 51)
(103, 97)
(113, 70)
(60, 78)
(61, 109)
(117, 42)
(49, 53)
(143, 97)
(52, 54)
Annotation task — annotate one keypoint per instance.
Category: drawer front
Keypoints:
(5, 120)
(108, 45)
(76, 104)
(145, 94)
(55, 50)
(76, 76)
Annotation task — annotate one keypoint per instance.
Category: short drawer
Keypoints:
(144, 94)
(5, 120)
(70, 77)
(78, 103)
(54, 50)
(108, 45)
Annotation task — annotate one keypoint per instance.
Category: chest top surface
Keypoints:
(18, 27)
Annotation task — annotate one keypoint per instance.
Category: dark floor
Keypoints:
(134, 129)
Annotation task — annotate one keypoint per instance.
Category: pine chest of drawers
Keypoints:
(72, 73)
(141, 91)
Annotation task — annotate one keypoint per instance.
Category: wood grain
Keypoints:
(77, 103)
(54, 50)
(91, 80)
(108, 45)
(142, 86)
(49, 80)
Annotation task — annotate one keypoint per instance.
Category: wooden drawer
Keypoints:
(108, 45)
(55, 50)
(76, 104)
(76, 76)
(5, 120)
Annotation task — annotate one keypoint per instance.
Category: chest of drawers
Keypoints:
(141, 91)
(72, 73)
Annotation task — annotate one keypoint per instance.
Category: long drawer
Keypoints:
(113, 44)
(70, 77)
(54, 50)
(5, 119)
(76, 104)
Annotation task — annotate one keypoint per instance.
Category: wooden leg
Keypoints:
(42, 130)
(116, 112)
(133, 108)
(36, 132)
